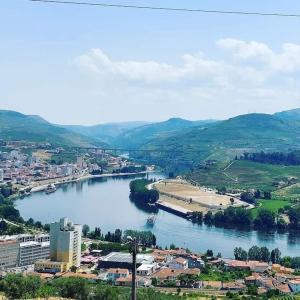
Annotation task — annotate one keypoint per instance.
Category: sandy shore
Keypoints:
(181, 193)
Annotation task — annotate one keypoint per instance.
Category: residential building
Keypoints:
(1, 175)
(178, 263)
(9, 253)
(294, 285)
(146, 269)
(124, 260)
(65, 247)
(127, 281)
(65, 242)
(115, 273)
(32, 251)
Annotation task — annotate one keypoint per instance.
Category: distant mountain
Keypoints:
(105, 132)
(225, 139)
(291, 115)
(17, 126)
(141, 135)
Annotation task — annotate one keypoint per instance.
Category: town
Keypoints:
(67, 251)
(32, 167)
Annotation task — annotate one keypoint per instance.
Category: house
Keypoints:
(283, 288)
(127, 281)
(216, 285)
(233, 286)
(146, 269)
(178, 263)
(281, 269)
(166, 274)
(294, 285)
(259, 267)
(253, 265)
(115, 273)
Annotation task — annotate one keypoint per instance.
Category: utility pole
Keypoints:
(134, 250)
(133, 283)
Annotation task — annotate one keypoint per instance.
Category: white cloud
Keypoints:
(253, 77)
(287, 60)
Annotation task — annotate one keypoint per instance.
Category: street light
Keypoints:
(134, 249)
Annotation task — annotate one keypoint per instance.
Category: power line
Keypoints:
(173, 9)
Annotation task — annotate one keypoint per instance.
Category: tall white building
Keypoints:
(65, 247)
(65, 242)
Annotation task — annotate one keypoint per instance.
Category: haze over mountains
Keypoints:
(189, 141)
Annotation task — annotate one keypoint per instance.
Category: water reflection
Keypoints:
(105, 202)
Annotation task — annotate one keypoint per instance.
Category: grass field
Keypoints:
(246, 175)
(272, 205)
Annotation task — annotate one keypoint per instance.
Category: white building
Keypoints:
(146, 269)
(1, 175)
(9, 253)
(65, 242)
(32, 251)
(178, 263)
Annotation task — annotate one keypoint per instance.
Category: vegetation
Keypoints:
(275, 158)
(16, 126)
(139, 192)
(16, 286)
(265, 255)
(244, 175)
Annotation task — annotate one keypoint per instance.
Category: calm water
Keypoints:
(105, 203)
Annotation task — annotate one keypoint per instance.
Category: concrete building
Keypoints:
(1, 175)
(65, 247)
(9, 253)
(32, 251)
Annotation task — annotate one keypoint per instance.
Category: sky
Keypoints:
(90, 65)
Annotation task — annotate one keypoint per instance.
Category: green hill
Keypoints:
(20, 127)
(223, 140)
(142, 135)
(105, 132)
(291, 115)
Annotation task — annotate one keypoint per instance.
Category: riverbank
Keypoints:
(42, 185)
(183, 196)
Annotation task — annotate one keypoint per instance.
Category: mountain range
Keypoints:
(176, 140)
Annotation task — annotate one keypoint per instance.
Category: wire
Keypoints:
(174, 9)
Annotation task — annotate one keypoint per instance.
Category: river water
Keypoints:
(104, 202)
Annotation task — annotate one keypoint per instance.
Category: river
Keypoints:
(104, 202)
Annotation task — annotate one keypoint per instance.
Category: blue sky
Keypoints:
(83, 65)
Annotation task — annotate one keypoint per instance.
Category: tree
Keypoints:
(257, 194)
(275, 256)
(208, 218)
(265, 254)
(209, 253)
(267, 195)
(254, 253)
(248, 197)
(72, 287)
(294, 217)
(265, 219)
(240, 253)
(85, 230)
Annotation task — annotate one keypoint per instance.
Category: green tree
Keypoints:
(275, 256)
(85, 230)
(254, 253)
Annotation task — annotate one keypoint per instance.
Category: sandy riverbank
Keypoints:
(182, 194)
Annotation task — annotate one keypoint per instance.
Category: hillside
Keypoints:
(105, 132)
(141, 135)
(291, 115)
(242, 174)
(225, 139)
(17, 126)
